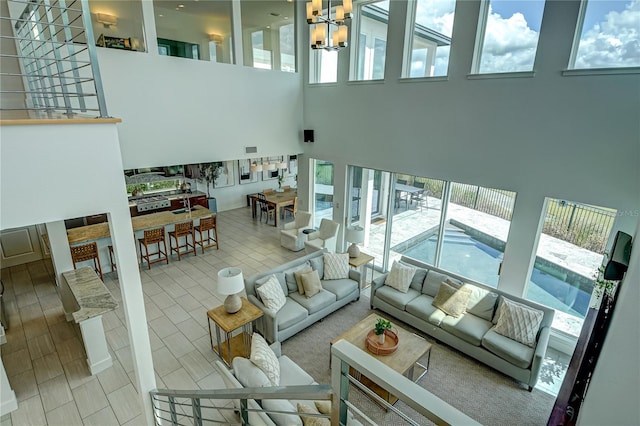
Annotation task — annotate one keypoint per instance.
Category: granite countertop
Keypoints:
(153, 220)
(92, 295)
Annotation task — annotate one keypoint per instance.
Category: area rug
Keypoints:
(480, 392)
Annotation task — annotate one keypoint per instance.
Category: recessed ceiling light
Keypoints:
(286, 17)
(161, 15)
(181, 5)
(268, 26)
(274, 14)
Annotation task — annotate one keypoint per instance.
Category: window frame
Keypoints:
(356, 25)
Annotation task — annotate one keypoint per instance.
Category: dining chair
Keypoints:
(266, 207)
(292, 209)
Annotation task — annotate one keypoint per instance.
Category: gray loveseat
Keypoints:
(299, 312)
(472, 332)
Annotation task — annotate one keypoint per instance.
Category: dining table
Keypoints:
(406, 191)
(277, 199)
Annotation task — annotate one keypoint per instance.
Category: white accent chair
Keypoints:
(325, 237)
(291, 236)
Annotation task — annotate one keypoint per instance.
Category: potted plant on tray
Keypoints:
(209, 172)
(380, 328)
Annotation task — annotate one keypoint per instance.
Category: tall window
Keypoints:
(372, 41)
(268, 31)
(607, 35)
(570, 251)
(323, 191)
(193, 29)
(507, 36)
(431, 26)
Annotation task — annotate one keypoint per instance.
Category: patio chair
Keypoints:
(420, 196)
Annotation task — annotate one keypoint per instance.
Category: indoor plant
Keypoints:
(602, 286)
(381, 326)
(209, 172)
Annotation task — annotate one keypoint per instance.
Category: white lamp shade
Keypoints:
(230, 281)
(269, 166)
(355, 234)
(256, 167)
(282, 165)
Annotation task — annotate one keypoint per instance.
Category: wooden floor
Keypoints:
(44, 355)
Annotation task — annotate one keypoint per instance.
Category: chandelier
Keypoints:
(326, 32)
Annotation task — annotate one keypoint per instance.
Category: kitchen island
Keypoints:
(99, 232)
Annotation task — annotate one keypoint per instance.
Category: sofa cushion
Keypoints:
(518, 322)
(282, 405)
(434, 279)
(249, 374)
(515, 352)
(291, 313)
(291, 374)
(264, 357)
(422, 308)
(271, 293)
(482, 303)
(451, 300)
(290, 278)
(341, 288)
(468, 327)
(298, 277)
(336, 266)
(316, 303)
(395, 297)
(400, 276)
(317, 263)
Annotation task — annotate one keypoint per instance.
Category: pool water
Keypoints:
(466, 256)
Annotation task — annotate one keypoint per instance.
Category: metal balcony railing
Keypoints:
(57, 68)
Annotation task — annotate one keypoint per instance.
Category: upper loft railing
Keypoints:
(57, 68)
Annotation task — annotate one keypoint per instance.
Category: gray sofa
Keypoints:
(471, 333)
(299, 312)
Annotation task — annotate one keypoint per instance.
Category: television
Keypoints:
(619, 257)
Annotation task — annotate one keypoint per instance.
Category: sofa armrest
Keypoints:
(355, 275)
(276, 347)
(268, 324)
(538, 356)
(376, 284)
(289, 225)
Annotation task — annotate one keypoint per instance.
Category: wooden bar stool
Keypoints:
(183, 229)
(153, 236)
(207, 224)
(111, 261)
(85, 252)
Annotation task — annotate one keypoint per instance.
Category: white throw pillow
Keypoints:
(400, 276)
(248, 374)
(518, 322)
(265, 359)
(271, 294)
(336, 266)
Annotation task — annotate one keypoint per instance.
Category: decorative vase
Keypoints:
(381, 338)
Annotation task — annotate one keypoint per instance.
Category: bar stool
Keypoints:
(85, 252)
(207, 224)
(153, 236)
(183, 229)
(111, 261)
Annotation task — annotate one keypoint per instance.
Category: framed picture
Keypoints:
(227, 176)
(244, 172)
(271, 174)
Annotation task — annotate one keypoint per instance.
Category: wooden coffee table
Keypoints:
(411, 349)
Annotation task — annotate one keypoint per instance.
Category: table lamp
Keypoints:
(230, 283)
(355, 235)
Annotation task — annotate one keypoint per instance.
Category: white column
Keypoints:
(366, 203)
(149, 22)
(95, 345)
(8, 401)
(238, 50)
(124, 248)
(61, 259)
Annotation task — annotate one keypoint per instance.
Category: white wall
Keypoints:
(612, 397)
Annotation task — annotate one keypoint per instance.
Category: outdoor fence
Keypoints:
(491, 201)
(585, 226)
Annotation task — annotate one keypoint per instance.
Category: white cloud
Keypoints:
(509, 44)
(614, 42)
(436, 14)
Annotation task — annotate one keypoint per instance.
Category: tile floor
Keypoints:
(44, 355)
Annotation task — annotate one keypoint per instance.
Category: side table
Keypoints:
(240, 344)
(359, 263)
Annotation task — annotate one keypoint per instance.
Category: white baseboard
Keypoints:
(99, 366)
(9, 403)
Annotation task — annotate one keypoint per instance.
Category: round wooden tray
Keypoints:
(388, 347)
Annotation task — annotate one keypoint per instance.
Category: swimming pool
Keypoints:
(464, 255)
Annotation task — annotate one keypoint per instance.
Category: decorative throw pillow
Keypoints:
(324, 407)
(248, 374)
(265, 359)
(290, 278)
(311, 421)
(281, 418)
(311, 283)
(336, 266)
(298, 277)
(451, 300)
(400, 276)
(271, 294)
(518, 322)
